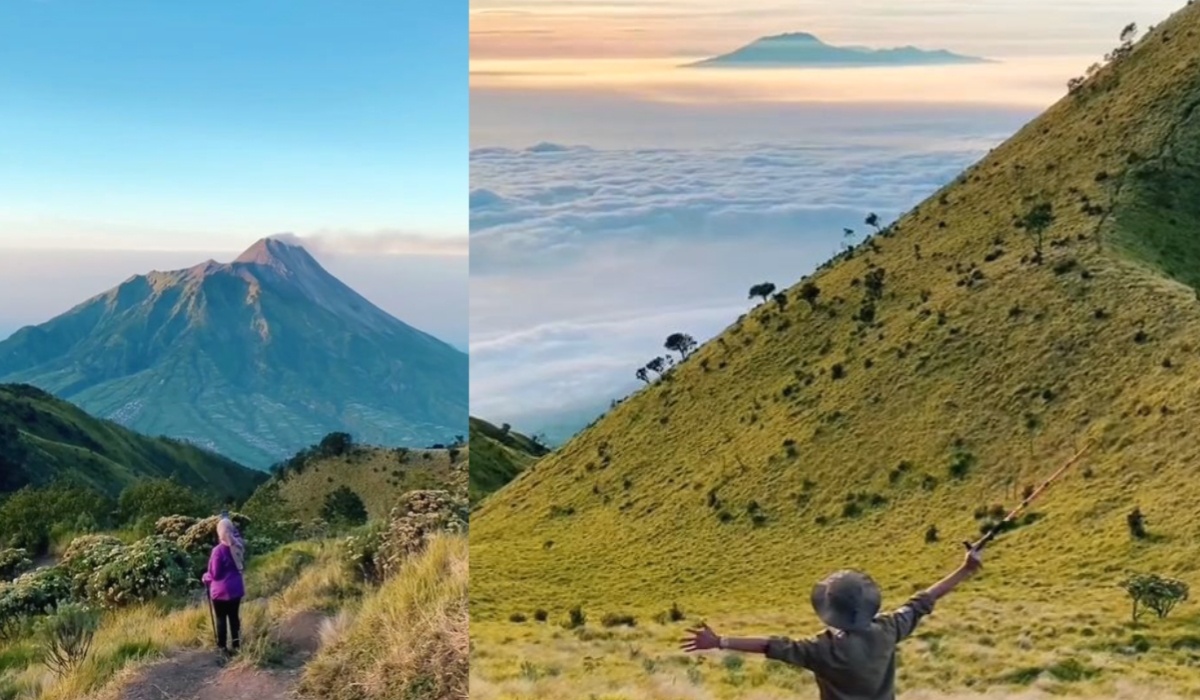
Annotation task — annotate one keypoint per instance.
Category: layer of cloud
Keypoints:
(383, 242)
(583, 260)
(66, 234)
(517, 118)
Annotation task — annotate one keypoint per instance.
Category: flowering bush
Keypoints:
(13, 563)
(145, 570)
(174, 526)
(88, 551)
(361, 552)
(378, 553)
(201, 537)
(35, 593)
(86, 555)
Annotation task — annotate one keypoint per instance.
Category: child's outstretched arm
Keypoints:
(703, 638)
(903, 622)
(805, 653)
(972, 562)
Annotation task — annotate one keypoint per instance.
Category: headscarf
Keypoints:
(229, 536)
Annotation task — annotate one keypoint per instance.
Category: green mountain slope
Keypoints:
(43, 438)
(254, 359)
(378, 475)
(810, 437)
(499, 456)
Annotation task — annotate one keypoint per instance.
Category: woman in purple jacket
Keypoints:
(225, 586)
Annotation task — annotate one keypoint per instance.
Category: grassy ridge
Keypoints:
(379, 476)
(809, 437)
(499, 456)
(43, 438)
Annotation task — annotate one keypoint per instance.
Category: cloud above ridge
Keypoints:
(583, 260)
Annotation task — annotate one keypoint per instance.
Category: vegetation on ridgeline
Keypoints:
(45, 439)
(499, 454)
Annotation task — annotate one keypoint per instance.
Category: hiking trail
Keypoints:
(202, 674)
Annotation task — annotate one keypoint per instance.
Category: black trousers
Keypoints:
(228, 614)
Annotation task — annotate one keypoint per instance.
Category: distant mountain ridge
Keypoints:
(803, 50)
(500, 455)
(253, 359)
(44, 439)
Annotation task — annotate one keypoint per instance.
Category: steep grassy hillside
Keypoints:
(43, 438)
(939, 371)
(500, 455)
(379, 475)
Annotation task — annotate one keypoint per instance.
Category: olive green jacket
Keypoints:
(859, 665)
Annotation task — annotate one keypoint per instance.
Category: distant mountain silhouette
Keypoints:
(802, 50)
(254, 359)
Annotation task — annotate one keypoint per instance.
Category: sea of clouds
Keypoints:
(583, 260)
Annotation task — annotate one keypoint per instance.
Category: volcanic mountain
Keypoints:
(803, 50)
(890, 405)
(253, 359)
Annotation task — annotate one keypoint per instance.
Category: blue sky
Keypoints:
(156, 134)
(150, 122)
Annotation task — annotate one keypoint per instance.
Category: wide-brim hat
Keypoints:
(847, 600)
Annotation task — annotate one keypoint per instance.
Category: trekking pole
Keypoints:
(212, 615)
(991, 534)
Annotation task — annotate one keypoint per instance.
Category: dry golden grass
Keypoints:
(971, 645)
(409, 639)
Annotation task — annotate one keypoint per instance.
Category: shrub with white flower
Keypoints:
(86, 555)
(377, 553)
(14, 562)
(33, 594)
(174, 526)
(145, 570)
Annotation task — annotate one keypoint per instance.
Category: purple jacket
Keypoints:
(223, 578)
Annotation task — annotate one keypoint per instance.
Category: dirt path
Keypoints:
(203, 674)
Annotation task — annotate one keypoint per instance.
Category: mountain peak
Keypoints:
(795, 37)
(805, 50)
(282, 248)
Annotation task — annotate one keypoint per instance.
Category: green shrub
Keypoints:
(151, 499)
(360, 551)
(173, 527)
(13, 563)
(618, 620)
(1155, 592)
(30, 515)
(420, 515)
(86, 555)
(541, 615)
(145, 570)
(575, 618)
(67, 636)
(343, 506)
(31, 595)
(201, 537)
